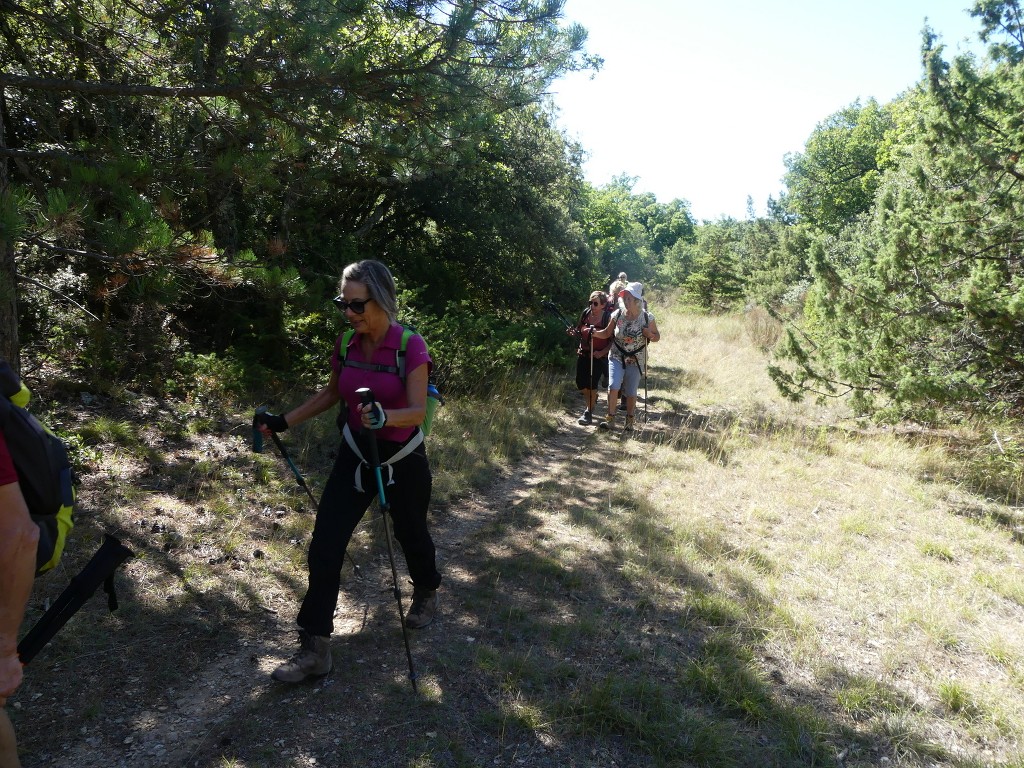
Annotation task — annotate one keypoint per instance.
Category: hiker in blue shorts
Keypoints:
(631, 329)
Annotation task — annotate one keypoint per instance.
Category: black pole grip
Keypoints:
(257, 436)
(366, 398)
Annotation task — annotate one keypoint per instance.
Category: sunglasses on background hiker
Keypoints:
(356, 305)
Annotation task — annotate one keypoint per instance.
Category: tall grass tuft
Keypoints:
(474, 438)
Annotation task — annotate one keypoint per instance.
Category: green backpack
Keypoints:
(44, 469)
(433, 395)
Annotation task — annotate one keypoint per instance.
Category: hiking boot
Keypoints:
(423, 608)
(586, 418)
(629, 422)
(313, 659)
(608, 422)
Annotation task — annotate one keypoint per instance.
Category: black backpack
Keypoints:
(44, 469)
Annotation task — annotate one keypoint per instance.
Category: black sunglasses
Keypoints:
(595, 303)
(356, 305)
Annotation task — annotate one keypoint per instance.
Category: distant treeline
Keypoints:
(181, 185)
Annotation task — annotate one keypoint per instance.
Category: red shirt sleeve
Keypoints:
(7, 473)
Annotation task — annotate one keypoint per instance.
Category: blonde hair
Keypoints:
(378, 281)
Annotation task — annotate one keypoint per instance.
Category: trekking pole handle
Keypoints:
(366, 398)
(257, 441)
(257, 436)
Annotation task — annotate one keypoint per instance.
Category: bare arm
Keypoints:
(323, 400)
(651, 332)
(604, 333)
(19, 537)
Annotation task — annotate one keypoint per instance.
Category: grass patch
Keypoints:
(102, 429)
(742, 582)
(649, 714)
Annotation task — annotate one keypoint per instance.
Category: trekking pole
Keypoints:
(592, 389)
(99, 570)
(366, 396)
(647, 364)
(257, 447)
(550, 306)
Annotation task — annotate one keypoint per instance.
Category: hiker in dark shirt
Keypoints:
(591, 361)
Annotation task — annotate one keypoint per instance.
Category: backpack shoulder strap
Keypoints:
(11, 385)
(341, 346)
(399, 367)
(400, 354)
(342, 350)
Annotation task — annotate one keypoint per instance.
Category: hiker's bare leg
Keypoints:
(613, 401)
(8, 746)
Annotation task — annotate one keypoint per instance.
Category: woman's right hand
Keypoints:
(268, 423)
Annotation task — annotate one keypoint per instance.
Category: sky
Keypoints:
(702, 100)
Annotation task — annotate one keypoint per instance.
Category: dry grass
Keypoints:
(743, 582)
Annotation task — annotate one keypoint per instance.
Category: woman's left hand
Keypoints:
(373, 415)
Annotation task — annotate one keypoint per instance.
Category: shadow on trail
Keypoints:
(675, 427)
(209, 586)
(604, 648)
(574, 631)
(1011, 521)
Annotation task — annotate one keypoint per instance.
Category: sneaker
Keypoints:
(312, 660)
(608, 422)
(629, 422)
(586, 418)
(423, 608)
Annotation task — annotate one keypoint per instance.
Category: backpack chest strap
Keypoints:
(379, 367)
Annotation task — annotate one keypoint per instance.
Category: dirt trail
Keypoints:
(189, 724)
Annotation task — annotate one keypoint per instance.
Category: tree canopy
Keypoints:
(917, 301)
(165, 161)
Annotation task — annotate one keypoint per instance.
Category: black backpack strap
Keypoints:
(341, 350)
(10, 383)
(379, 367)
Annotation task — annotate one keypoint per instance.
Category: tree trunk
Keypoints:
(9, 347)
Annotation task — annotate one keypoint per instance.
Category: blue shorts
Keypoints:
(623, 377)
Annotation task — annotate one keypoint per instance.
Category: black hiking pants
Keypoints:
(342, 507)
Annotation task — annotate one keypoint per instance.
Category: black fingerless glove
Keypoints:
(272, 421)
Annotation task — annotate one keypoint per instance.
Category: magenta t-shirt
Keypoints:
(388, 388)
(7, 473)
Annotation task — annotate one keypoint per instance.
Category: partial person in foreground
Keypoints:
(19, 539)
(631, 328)
(368, 300)
(592, 354)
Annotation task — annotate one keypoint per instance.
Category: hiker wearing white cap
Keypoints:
(631, 328)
